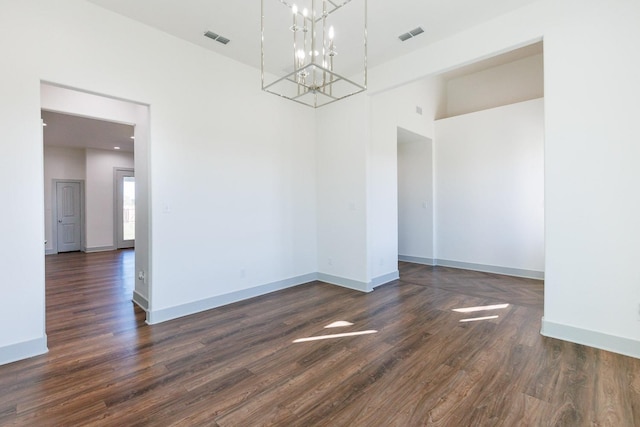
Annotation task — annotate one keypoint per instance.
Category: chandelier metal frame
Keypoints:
(313, 79)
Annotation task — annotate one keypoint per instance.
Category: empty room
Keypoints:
(346, 213)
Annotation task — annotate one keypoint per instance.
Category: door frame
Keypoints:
(54, 214)
(62, 98)
(116, 203)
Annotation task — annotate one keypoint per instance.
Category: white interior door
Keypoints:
(125, 208)
(69, 216)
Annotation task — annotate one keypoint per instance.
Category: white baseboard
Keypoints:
(384, 279)
(357, 285)
(170, 313)
(141, 301)
(344, 282)
(507, 271)
(175, 312)
(100, 249)
(23, 350)
(417, 260)
(50, 252)
(621, 345)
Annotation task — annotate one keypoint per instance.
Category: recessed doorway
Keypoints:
(125, 204)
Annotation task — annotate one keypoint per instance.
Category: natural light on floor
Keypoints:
(476, 319)
(337, 324)
(480, 308)
(326, 337)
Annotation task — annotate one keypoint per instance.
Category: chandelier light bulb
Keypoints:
(313, 76)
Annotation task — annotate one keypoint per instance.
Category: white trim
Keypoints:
(417, 260)
(175, 312)
(51, 252)
(100, 249)
(616, 344)
(384, 279)
(507, 271)
(140, 300)
(345, 283)
(357, 285)
(23, 350)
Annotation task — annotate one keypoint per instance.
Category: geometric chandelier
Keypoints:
(314, 51)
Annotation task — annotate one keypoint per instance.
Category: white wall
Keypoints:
(520, 250)
(591, 89)
(231, 189)
(22, 221)
(591, 169)
(99, 196)
(489, 188)
(390, 110)
(516, 81)
(415, 200)
(357, 153)
(59, 163)
(342, 132)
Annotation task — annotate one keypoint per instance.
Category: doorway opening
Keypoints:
(98, 141)
(125, 208)
(415, 198)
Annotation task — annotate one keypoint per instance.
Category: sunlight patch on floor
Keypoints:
(480, 308)
(330, 336)
(339, 324)
(477, 319)
(476, 309)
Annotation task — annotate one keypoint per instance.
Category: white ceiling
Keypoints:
(65, 130)
(239, 21)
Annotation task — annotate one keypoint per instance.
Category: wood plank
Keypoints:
(238, 365)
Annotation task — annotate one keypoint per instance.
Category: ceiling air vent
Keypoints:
(411, 34)
(216, 37)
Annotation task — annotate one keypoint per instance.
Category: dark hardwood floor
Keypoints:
(238, 365)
